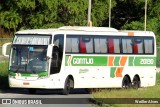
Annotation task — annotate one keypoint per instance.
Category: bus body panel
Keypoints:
(103, 76)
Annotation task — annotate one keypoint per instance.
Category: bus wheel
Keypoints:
(136, 82)
(32, 91)
(88, 90)
(67, 86)
(126, 83)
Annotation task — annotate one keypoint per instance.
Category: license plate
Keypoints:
(25, 83)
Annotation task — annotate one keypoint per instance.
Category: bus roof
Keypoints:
(87, 28)
(37, 31)
(67, 28)
(70, 29)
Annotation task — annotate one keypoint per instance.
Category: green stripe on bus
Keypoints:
(66, 60)
(112, 72)
(131, 61)
(12, 73)
(87, 61)
(116, 61)
(142, 61)
(103, 61)
(42, 73)
(145, 61)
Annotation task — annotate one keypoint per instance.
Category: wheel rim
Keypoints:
(126, 83)
(136, 83)
(68, 86)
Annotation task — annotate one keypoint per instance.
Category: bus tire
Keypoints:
(126, 84)
(136, 82)
(32, 91)
(67, 86)
(88, 90)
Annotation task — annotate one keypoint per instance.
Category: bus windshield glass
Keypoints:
(28, 59)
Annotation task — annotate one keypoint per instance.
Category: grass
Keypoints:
(4, 75)
(149, 92)
(8, 51)
(3, 40)
(158, 57)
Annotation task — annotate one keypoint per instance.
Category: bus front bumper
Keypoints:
(46, 83)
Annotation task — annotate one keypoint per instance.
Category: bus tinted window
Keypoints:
(79, 44)
(114, 45)
(107, 44)
(86, 44)
(148, 45)
(100, 45)
(72, 44)
(138, 46)
(127, 45)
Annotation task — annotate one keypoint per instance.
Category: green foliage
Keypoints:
(4, 68)
(158, 58)
(25, 4)
(99, 12)
(4, 75)
(21, 14)
(134, 25)
(10, 19)
(73, 12)
(126, 14)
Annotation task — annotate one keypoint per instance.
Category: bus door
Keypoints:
(57, 54)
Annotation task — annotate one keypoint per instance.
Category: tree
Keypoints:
(100, 12)
(126, 14)
(9, 17)
(73, 12)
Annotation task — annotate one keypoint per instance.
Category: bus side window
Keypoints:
(138, 46)
(113, 45)
(75, 45)
(86, 44)
(148, 45)
(127, 45)
(72, 44)
(68, 45)
(100, 45)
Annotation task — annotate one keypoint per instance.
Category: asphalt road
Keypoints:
(45, 98)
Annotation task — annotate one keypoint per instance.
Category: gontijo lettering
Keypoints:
(83, 61)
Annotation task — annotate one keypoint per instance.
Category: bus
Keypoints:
(73, 57)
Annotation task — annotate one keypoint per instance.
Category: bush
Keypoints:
(4, 75)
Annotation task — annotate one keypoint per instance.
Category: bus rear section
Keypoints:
(119, 60)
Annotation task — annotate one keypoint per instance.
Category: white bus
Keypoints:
(73, 57)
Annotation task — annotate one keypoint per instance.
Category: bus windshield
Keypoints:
(28, 59)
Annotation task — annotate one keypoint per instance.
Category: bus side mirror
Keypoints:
(4, 49)
(49, 51)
